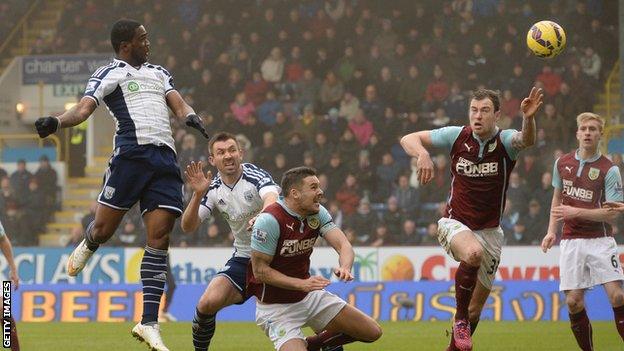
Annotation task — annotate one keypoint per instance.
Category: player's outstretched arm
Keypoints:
(415, 145)
(614, 206)
(199, 183)
(72, 117)
(551, 235)
(563, 212)
(182, 110)
(261, 266)
(7, 251)
(529, 106)
(338, 240)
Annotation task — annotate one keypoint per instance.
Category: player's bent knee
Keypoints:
(575, 304)
(373, 333)
(617, 299)
(474, 256)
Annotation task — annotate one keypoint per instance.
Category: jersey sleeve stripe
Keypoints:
(253, 167)
(104, 73)
(101, 69)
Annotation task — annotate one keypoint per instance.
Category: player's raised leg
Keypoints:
(159, 224)
(349, 325)
(106, 221)
(220, 293)
(581, 326)
(616, 298)
(469, 252)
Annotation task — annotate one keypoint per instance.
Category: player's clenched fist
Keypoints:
(47, 125)
(343, 274)
(314, 283)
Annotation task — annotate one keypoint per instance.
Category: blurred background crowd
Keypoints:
(334, 85)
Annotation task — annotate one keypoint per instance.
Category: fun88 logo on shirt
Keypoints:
(470, 169)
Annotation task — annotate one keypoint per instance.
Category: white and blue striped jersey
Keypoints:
(240, 203)
(2, 232)
(136, 99)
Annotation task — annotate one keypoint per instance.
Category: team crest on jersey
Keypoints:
(593, 173)
(259, 235)
(91, 86)
(248, 195)
(109, 192)
(133, 86)
(313, 222)
(492, 146)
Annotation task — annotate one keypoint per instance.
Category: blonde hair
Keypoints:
(588, 116)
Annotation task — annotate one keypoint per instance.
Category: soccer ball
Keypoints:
(546, 39)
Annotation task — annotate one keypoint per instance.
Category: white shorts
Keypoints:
(283, 321)
(585, 263)
(491, 240)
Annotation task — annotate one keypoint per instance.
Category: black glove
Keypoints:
(194, 121)
(46, 126)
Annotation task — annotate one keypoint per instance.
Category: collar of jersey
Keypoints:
(591, 159)
(282, 203)
(129, 65)
(484, 142)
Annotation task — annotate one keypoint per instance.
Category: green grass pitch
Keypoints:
(524, 336)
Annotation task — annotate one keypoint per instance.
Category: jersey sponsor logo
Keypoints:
(470, 169)
(259, 235)
(294, 247)
(248, 195)
(492, 146)
(313, 222)
(593, 173)
(577, 193)
(109, 192)
(133, 87)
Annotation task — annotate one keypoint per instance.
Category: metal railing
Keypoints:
(55, 140)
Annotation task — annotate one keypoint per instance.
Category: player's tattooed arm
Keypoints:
(525, 138)
(529, 107)
(72, 117)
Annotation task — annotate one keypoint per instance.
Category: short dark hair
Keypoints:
(123, 30)
(294, 176)
(494, 96)
(221, 136)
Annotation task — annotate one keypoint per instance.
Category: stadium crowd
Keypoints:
(334, 84)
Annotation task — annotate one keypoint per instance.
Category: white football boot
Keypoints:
(166, 317)
(149, 334)
(78, 259)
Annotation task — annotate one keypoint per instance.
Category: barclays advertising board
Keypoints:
(61, 69)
